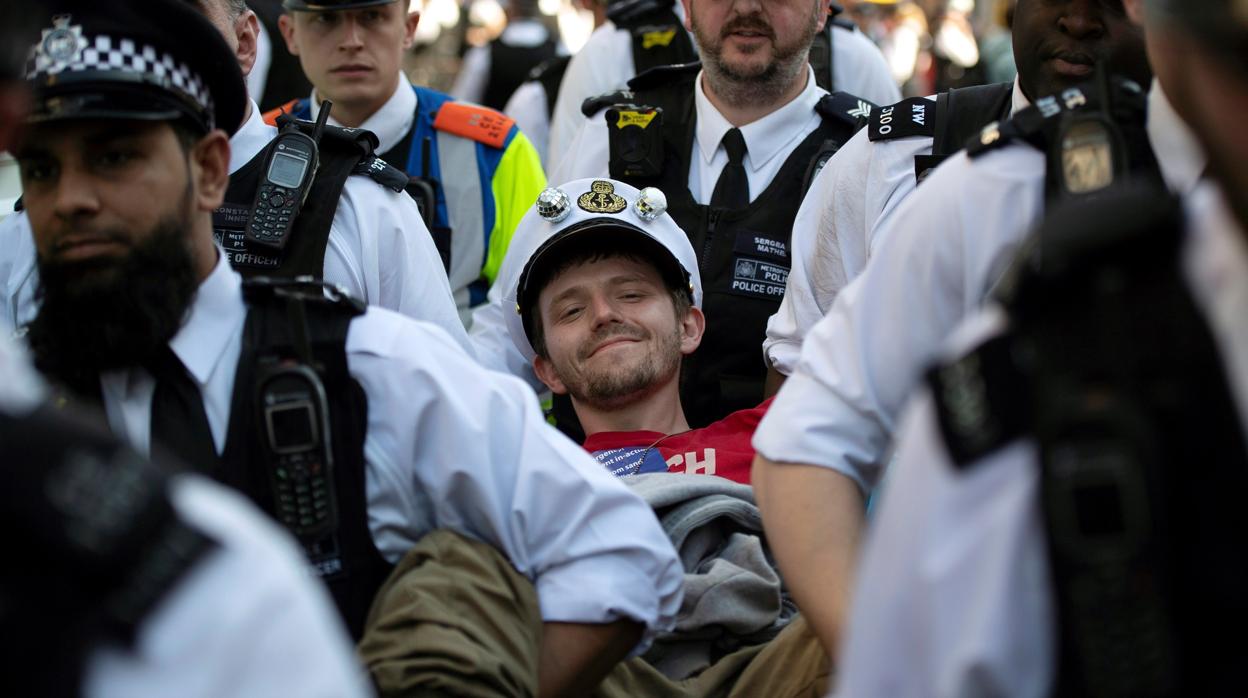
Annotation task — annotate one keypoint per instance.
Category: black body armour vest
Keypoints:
(93, 546)
(659, 38)
(743, 255)
(550, 74)
(343, 153)
(1110, 366)
(298, 326)
(509, 66)
(950, 121)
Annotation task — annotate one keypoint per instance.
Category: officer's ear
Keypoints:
(692, 327)
(247, 31)
(1135, 11)
(210, 169)
(546, 373)
(688, 13)
(409, 27)
(286, 25)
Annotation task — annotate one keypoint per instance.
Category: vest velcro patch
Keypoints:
(474, 122)
(909, 117)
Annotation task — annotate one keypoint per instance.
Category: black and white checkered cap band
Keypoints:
(106, 54)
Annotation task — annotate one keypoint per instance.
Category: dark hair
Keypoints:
(586, 249)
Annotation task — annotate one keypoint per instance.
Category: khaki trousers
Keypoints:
(456, 619)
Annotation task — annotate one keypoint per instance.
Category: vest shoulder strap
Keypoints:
(963, 112)
(270, 117)
(626, 12)
(663, 75)
(593, 105)
(911, 117)
(476, 123)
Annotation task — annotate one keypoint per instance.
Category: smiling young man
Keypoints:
(483, 171)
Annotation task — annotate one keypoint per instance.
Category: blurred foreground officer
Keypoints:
(866, 180)
(936, 258)
(645, 34)
(350, 425)
(476, 172)
(1066, 516)
(353, 229)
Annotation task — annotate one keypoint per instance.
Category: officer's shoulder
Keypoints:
(548, 66)
(911, 117)
(270, 117)
(401, 341)
(845, 107)
(474, 122)
(664, 75)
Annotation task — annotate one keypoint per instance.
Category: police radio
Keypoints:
(294, 416)
(288, 174)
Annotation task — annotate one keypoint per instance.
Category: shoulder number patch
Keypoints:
(909, 117)
(475, 122)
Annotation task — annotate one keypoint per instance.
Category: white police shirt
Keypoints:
(451, 445)
(954, 581)
(605, 63)
(379, 250)
(247, 620)
(859, 187)
(933, 262)
(527, 107)
(768, 142)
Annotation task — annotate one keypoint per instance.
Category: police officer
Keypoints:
(490, 73)
(936, 257)
(533, 103)
(478, 172)
(233, 584)
(1020, 511)
(368, 239)
(732, 145)
(349, 424)
(882, 165)
(644, 34)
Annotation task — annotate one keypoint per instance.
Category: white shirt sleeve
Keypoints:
(380, 251)
(247, 621)
(19, 276)
(859, 68)
(933, 262)
(603, 64)
(451, 445)
(474, 72)
(527, 106)
(954, 582)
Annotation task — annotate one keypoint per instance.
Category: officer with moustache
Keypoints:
(1072, 478)
(347, 423)
(355, 231)
(938, 256)
(732, 144)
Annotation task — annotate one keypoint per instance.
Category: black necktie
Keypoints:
(733, 188)
(179, 423)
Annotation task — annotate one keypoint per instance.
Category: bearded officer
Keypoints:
(649, 33)
(1057, 541)
(348, 423)
(377, 247)
(938, 256)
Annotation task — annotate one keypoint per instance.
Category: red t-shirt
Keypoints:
(722, 448)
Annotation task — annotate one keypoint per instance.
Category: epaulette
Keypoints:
(981, 399)
(593, 105)
(663, 75)
(1128, 101)
(915, 116)
(625, 11)
(382, 172)
(270, 117)
(845, 107)
(474, 122)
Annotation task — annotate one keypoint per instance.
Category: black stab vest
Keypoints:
(743, 255)
(509, 66)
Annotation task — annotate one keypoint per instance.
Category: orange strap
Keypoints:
(270, 117)
(474, 122)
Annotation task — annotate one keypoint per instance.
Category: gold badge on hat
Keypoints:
(62, 44)
(601, 198)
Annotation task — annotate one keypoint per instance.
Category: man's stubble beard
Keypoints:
(101, 315)
(764, 86)
(608, 390)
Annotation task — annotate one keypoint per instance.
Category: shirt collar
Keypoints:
(214, 317)
(1179, 155)
(253, 137)
(1018, 100)
(390, 123)
(764, 138)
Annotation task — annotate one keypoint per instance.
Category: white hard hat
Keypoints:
(609, 210)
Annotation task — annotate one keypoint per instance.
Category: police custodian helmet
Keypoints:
(150, 60)
(331, 5)
(599, 214)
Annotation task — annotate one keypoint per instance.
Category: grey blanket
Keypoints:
(734, 596)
